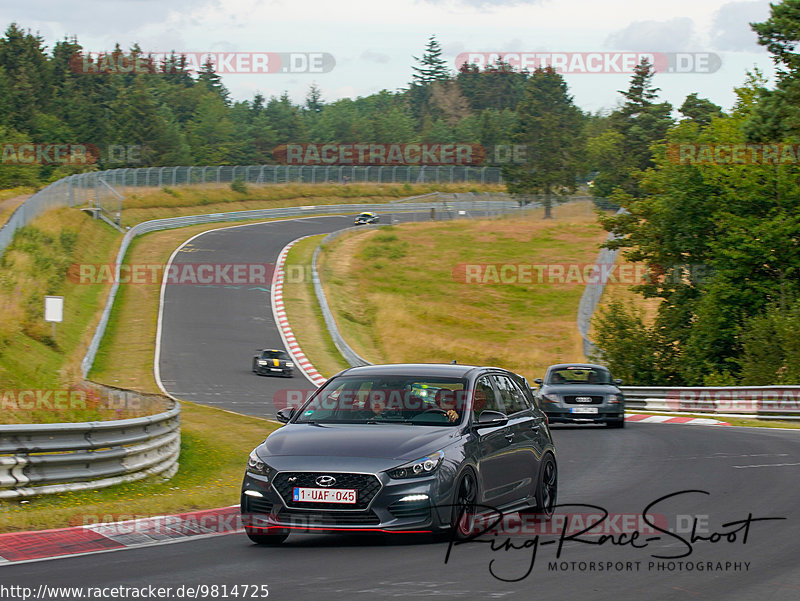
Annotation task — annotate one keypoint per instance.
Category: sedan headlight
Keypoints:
(615, 398)
(424, 466)
(256, 466)
(289, 364)
(550, 397)
(262, 362)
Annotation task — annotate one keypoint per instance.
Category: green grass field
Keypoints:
(398, 295)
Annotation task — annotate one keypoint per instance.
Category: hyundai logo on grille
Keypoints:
(583, 399)
(325, 481)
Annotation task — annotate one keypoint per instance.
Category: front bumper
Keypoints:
(269, 370)
(563, 415)
(389, 510)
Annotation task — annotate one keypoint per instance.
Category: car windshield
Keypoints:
(576, 374)
(274, 355)
(402, 400)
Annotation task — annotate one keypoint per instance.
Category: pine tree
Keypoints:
(213, 81)
(549, 127)
(432, 67)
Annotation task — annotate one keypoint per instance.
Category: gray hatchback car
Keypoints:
(421, 448)
(581, 393)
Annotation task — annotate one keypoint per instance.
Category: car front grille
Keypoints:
(572, 399)
(316, 519)
(365, 485)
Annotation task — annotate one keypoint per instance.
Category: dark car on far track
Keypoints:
(581, 393)
(420, 448)
(273, 362)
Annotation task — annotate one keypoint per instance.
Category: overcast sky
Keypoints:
(373, 41)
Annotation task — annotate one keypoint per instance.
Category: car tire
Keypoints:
(255, 367)
(465, 504)
(547, 487)
(266, 539)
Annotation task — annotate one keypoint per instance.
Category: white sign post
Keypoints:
(54, 311)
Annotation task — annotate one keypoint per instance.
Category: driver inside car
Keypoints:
(446, 401)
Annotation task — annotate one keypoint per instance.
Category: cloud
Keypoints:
(484, 4)
(675, 35)
(375, 57)
(83, 16)
(730, 29)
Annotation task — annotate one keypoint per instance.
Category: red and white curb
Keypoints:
(18, 547)
(279, 313)
(666, 419)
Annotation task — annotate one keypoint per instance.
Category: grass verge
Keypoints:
(214, 449)
(398, 296)
(302, 309)
(38, 263)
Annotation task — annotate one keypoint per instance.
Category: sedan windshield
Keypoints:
(387, 399)
(274, 355)
(579, 375)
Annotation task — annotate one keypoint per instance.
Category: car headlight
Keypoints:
(551, 397)
(262, 362)
(256, 466)
(289, 364)
(423, 466)
(615, 398)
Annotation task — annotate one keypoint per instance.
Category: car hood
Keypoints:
(379, 441)
(585, 389)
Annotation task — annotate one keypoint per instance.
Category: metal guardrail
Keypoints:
(756, 401)
(38, 459)
(591, 298)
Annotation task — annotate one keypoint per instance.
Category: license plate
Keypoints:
(324, 495)
(275, 369)
(583, 410)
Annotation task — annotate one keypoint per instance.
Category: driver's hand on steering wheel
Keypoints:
(452, 415)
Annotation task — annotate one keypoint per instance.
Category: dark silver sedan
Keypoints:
(581, 393)
(422, 448)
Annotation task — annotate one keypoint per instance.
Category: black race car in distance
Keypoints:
(366, 217)
(273, 362)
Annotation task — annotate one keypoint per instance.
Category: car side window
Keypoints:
(485, 398)
(513, 398)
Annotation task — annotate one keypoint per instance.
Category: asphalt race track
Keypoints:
(209, 336)
(210, 333)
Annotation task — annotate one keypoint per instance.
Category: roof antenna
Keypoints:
(453, 362)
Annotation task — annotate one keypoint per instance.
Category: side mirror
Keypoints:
(285, 414)
(538, 381)
(490, 419)
(618, 382)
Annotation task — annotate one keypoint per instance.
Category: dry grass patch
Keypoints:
(398, 298)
